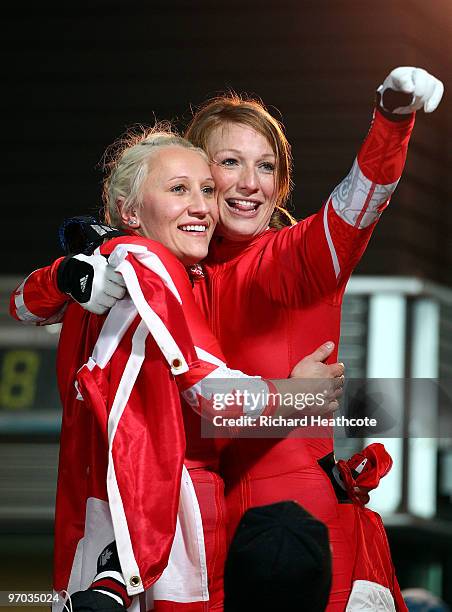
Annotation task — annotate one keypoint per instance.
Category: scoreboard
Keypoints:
(29, 398)
(27, 379)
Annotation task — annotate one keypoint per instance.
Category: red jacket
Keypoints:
(121, 474)
(285, 289)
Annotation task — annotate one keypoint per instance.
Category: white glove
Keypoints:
(91, 281)
(425, 89)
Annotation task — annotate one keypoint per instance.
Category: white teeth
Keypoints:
(193, 228)
(244, 204)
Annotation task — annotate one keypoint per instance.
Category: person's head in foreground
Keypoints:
(279, 559)
(160, 186)
(251, 164)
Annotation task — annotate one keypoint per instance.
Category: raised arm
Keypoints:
(323, 249)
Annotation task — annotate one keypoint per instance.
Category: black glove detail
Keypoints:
(76, 278)
(327, 464)
(392, 99)
(84, 234)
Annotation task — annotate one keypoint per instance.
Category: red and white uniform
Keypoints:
(122, 475)
(273, 300)
(280, 294)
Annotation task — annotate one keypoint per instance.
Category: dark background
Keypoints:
(76, 76)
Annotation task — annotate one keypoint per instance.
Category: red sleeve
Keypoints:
(319, 254)
(37, 300)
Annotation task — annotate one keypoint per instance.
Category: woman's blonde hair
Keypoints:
(127, 163)
(235, 108)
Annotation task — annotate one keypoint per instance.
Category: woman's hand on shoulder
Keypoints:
(91, 282)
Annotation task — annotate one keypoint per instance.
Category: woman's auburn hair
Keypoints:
(234, 108)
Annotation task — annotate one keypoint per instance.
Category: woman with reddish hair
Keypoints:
(266, 288)
(284, 287)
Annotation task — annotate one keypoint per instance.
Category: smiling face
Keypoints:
(244, 171)
(179, 206)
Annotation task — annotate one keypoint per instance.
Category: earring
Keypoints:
(132, 222)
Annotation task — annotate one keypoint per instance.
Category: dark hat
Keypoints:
(279, 559)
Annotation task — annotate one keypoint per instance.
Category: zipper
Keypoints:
(214, 311)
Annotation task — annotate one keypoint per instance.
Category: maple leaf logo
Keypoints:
(105, 556)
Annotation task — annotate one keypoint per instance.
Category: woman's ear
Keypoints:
(128, 217)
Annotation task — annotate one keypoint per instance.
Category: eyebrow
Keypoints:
(240, 152)
(175, 178)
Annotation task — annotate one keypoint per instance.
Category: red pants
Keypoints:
(209, 489)
(312, 489)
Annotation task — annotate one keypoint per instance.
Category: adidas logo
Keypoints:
(100, 229)
(105, 556)
(83, 282)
